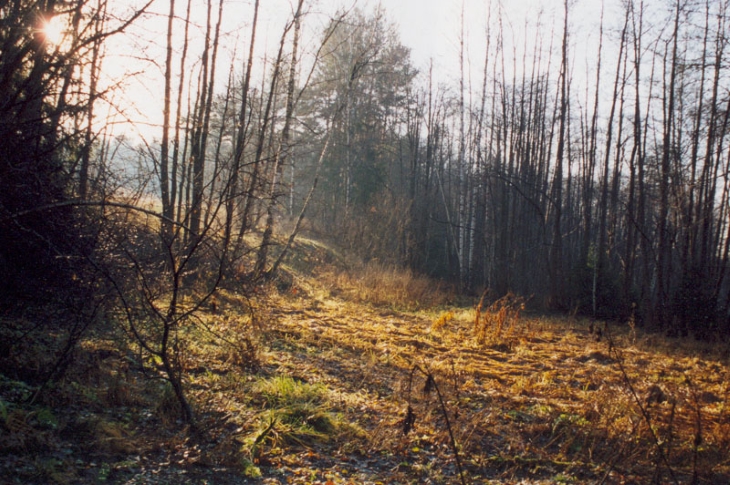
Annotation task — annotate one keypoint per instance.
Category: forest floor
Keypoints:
(343, 375)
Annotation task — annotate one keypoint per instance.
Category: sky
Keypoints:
(431, 28)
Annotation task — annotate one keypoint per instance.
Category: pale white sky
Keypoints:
(431, 28)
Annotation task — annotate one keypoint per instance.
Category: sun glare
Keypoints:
(54, 30)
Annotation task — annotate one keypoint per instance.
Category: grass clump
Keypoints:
(297, 413)
(442, 320)
(284, 391)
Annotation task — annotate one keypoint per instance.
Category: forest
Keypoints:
(581, 186)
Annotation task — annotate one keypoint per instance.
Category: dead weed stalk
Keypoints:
(500, 316)
(409, 419)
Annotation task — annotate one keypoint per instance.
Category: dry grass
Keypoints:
(391, 287)
(533, 398)
(310, 382)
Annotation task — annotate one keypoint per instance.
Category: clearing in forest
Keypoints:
(349, 376)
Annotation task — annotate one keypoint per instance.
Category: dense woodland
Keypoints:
(604, 193)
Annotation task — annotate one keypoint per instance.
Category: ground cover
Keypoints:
(341, 374)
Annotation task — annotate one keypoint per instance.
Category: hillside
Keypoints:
(337, 373)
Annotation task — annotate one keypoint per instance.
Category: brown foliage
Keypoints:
(499, 316)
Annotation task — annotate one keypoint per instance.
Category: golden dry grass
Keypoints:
(309, 382)
(530, 397)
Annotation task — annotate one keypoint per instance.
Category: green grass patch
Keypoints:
(295, 413)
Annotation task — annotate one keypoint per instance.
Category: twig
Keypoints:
(698, 432)
(619, 455)
(644, 412)
(431, 384)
